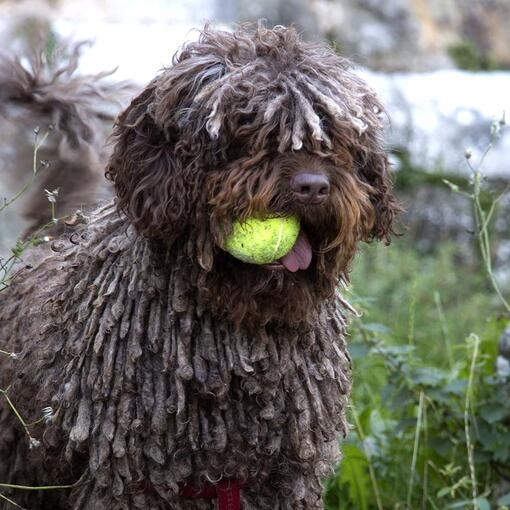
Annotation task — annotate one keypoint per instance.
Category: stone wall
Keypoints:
(399, 35)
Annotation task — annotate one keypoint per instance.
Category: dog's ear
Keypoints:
(147, 173)
(375, 172)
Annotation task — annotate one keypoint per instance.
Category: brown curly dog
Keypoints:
(179, 377)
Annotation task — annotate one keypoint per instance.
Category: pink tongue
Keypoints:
(300, 256)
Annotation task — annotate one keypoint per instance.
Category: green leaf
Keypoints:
(354, 475)
(428, 376)
(501, 454)
(493, 412)
(358, 350)
(482, 504)
(396, 350)
(442, 446)
(451, 185)
(504, 500)
(375, 328)
(464, 503)
(457, 387)
(443, 492)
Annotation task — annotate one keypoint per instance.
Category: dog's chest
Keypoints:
(154, 386)
(177, 394)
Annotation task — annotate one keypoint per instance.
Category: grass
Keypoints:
(423, 384)
(425, 300)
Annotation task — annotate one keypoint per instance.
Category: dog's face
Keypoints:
(256, 123)
(333, 206)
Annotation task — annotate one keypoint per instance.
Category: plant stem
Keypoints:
(13, 503)
(419, 421)
(425, 493)
(16, 412)
(412, 313)
(467, 405)
(6, 266)
(482, 219)
(34, 488)
(482, 223)
(361, 435)
(444, 328)
(27, 185)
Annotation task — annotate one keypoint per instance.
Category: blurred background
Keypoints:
(431, 406)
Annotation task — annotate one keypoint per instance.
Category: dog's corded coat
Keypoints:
(166, 361)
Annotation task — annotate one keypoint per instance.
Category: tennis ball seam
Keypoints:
(279, 240)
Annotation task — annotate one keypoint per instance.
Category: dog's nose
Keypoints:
(310, 188)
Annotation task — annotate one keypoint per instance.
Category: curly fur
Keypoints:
(166, 360)
(42, 90)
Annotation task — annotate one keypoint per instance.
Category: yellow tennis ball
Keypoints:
(259, 241)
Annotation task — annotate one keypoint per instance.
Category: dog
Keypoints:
(42, 91)
(173, 375)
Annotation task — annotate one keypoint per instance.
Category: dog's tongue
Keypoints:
(300, 256)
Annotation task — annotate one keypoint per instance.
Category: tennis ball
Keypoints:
(262, 241)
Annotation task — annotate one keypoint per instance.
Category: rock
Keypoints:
(275, 12)
(436, 116)
(435, 215)
(419, 34)
(401, 35)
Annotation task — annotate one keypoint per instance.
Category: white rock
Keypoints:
(436, 116)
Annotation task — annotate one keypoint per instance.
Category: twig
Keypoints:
(482, 223)
(6, 266)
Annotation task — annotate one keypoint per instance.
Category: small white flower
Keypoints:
(51, 195)
(47, 413)
(34, 443)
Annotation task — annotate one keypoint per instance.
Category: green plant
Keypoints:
(467, 55)
(424, 432)
(6, 273)
(7, 265)
(483, 216)
(430, 416)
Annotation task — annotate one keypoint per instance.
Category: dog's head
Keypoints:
(256, 123)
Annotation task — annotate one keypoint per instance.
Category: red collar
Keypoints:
(228, 493)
